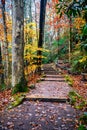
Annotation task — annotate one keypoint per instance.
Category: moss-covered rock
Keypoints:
(16, 100)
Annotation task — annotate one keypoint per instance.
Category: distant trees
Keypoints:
(28, 10)
(1, 68)
(77, 13)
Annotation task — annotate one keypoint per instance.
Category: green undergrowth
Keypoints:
(69, 80)
(20, 87)
(83, 121)
(79, 103)
(83, 118)
(2, 87)
(77, 100)
(73, 97)
(82, 127)
(16, 100)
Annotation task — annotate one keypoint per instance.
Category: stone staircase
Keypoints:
(52, 87)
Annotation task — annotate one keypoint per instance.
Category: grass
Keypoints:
(79, 103)
(69, 80)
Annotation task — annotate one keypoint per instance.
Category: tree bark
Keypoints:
(30, 11)
(18, 42)
(6, 54)
(36, 20)
(70, 42)
(1, 68)
(70, 33)
(41, 31)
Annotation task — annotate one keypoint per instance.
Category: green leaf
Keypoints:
(59, 9)
(60, 14)
(82, 127)
(61, 0)
(57, 5)
(79, 12)
(85, 30)
(85, 113)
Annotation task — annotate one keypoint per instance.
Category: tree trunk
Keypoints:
(41, 31)
(30, 11)
(18, 42)
(36, 20)
(1, 68)
(70, 42)
(71, 33)
(6, 54)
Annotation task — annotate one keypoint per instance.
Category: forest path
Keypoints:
(52, 87)
(37, 115)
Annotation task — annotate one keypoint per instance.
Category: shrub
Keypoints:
(69, 80)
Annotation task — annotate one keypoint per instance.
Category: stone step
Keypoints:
(47, 69)
(50, 73)
(53, 80)
(47, 99)
(54, 76)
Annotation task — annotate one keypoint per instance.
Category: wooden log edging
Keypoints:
(59, 100)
